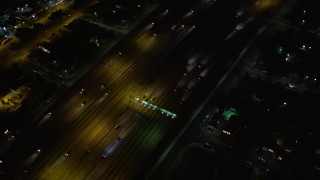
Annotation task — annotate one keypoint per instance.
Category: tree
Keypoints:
(56, 15)
(38, 27)
(24, 33)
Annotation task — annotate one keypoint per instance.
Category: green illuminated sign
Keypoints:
(230, 112)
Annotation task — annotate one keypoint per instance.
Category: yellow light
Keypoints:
(146, 41)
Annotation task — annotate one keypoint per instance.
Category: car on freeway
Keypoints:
(232, 34)
(111, 148)
(119, 139)
(67, 153)
(81, 91)
(177, 25)
(185, 96)
(117, 126)
(82, 104)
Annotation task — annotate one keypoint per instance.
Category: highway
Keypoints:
(165, 163)
(82, 122)
(78, 139)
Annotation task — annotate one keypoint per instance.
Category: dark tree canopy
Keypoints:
(38, 27)
(24, 33)
(56, 15)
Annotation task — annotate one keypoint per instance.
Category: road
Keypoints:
(16, 51)
(191, 134)
(84, 131)
(70, 143)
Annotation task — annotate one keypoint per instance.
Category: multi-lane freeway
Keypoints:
(97, 130)
(71, 142)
